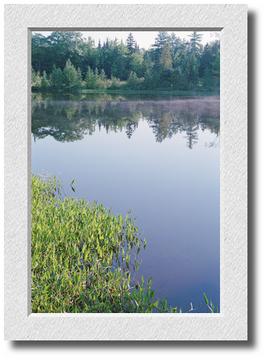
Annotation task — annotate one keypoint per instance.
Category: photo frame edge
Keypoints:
(231, 324)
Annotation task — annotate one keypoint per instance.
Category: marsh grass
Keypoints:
(209, 303)
(84, 258)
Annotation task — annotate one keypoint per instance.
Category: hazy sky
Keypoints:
(144, 38)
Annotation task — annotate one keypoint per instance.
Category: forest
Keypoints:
(67, 62)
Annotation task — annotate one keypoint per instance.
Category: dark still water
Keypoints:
(156, 156)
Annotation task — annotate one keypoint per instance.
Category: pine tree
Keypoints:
(71, 76)
(133, 81)
(102, 75)
(207, 79)
(171, 62)
(166, 57)
(90, 79)
(45, 84)
(161, 42)
(56, 78)
(195, 50)
(195, 43)
(162, 39)
(36, 79)
(130, 43)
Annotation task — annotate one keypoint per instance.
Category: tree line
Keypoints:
(67, 61)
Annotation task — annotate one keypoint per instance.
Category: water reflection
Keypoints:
(167, 174)
(68, 120)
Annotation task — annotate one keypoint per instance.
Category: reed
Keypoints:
(84, 258)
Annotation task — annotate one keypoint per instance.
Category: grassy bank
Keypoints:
(84, 258)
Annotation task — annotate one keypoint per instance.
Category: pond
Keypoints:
(156, 156)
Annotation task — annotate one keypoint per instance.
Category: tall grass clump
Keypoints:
(84, 258)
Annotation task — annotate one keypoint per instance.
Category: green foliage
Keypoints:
(195, 43)
(166, 58)
(90, 79)
(72, 77)
(116, 83)
(45, 84)
(130, 43)
(36, 79)
(100, 79)
(212, 308)
(133, 81)
(84, 258)
(56, 78)
(96, 80)
(137, 63)
(171, 63)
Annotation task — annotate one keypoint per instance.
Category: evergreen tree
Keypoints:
(195, 43)
(194, 58)
(133, 81)
(36, 79)
(56, 78)
(80, 78)
(45, 84)
(166, 57)
(102, 75)
(136, 63)
(207, 79)
(90, 79)
(161, 40)
(67, 61)
(130, 43)
(71, 76)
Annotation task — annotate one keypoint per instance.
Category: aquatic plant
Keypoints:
(209, 303)
(84, 258)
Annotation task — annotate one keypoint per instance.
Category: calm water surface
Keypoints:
(156, 156)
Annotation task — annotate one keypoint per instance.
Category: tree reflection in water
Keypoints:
(70, 119)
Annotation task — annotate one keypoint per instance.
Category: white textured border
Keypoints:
(231, 323)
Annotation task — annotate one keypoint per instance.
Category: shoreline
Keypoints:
(159, 92)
